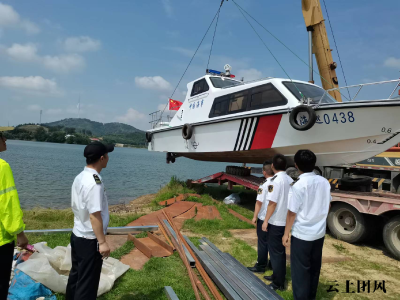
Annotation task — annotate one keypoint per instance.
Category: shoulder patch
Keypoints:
(270, 188)
(259, 191)
(273, 178)
(96, 179)
(294, 181)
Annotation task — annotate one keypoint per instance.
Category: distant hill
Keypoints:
(97, 128)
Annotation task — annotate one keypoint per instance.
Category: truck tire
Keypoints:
(346, 223)
(312, 117)
(238, 171)
(391, 236)
(359, 181)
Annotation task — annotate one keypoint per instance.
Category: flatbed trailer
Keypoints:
(353, 217)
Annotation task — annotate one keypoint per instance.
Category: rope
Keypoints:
(283, 69)
(215, 30)
(190, 61)
(337, 50)
(283, 44)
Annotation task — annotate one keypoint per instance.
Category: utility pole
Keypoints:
(79, 107)
(40, 122)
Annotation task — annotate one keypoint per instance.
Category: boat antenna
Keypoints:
(198, 47)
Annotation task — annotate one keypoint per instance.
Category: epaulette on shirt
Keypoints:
(273, 178)
(294, 181)
(96, 179)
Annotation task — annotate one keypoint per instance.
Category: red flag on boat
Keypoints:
(174, 104)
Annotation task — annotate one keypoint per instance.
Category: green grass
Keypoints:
(125, 249)
(149, 282)
(339, 247)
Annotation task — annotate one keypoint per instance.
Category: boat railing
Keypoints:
(256, 80)
(158, 120)
(362, 85)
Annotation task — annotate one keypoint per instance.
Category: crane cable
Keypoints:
(215, 30)
(337, 50)
(282, 43)
(198, 47)
(283, 69)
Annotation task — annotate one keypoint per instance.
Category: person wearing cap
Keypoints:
(11, 223)
(91, 217)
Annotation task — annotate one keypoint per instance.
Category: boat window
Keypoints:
(220, 82)
(199, 87)
(266, 96)
(229, 104)
(309, 91)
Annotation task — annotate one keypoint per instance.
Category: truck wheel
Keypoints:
(391, 236)
(359, 181)
(346, 223)
(238, 171)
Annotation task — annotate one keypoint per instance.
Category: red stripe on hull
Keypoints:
(266, 132)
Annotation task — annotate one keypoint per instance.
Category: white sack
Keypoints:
(51, 268)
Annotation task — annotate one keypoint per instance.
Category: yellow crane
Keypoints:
(319, 45)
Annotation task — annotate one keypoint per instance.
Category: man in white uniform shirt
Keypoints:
(308, 209)
(259, 215)
(91, 217)
(275, 220)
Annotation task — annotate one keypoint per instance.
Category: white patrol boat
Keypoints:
(226, 120)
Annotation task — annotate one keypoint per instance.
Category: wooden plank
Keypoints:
(239, 216)
(142, 247)
(161, 227)
(160, 242)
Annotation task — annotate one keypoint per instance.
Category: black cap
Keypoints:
(97, 150)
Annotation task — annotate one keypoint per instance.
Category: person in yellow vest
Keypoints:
(11, 224)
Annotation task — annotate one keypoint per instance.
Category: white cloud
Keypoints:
(81, 44)
(64, 63)
(248, 74)
(132, 117)
(153, 83)
(31, 84)
(167, 7)
(34, 107)
(9, 18)
(30, 27)
(25, 52)
(392, 62)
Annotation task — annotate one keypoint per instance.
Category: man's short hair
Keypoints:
(305, 160)
(267, 167)
(279, 162)
(92, 160)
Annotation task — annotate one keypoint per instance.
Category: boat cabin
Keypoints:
(214, 97)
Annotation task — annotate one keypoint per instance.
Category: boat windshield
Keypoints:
(309, 91)
(220, 82)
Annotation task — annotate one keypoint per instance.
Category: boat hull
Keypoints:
(342, 135)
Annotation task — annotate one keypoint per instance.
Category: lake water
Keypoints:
(44, 172)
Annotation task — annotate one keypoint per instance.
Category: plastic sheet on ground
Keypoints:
(232, 199)
(24, 287)
(51, 268)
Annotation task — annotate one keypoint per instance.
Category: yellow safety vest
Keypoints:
(10, 211)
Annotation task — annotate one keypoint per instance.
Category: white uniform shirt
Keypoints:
(311, 197)
(261, 196)
(278, 192)
(88, 196)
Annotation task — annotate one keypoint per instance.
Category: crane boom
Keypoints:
(315, 23)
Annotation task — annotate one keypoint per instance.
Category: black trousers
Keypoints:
(6, 258)
(305, 263)
(84, 278)
(262, 247)
(277, 253)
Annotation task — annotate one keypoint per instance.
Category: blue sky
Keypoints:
(124, 58)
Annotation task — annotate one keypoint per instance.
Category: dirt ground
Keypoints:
(346, 262)
(139, 205)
